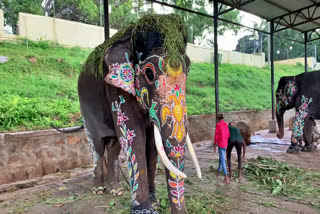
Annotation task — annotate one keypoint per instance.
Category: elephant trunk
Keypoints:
(173, 158)
(279, 116)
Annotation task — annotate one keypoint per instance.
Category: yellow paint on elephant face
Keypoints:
(174, 71)
(144, 92)
(177, 112)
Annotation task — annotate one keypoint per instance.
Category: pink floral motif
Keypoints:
(177, 87)
(121, 117)
(130, 136)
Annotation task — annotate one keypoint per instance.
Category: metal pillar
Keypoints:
(216, 61)
(272, 67)
(106, 19)
(305, 51)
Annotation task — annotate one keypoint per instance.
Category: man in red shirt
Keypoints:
(221, 139)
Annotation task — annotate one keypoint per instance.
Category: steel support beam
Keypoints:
(180, 8)
(296, 13)
(216, 59)
(297, 24)
(106, 19)
(272, 68)
(305, 51)
(236, 6)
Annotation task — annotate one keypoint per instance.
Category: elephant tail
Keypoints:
(68, 130)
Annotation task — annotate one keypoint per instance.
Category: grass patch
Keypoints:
(240, 87)
(281, 179)
(34, 95)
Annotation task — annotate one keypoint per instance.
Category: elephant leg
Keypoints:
(138, 172)
(113, 182)
(307, 134)
(131, 132)
(152, 159)
(97, 148)
(298, 126)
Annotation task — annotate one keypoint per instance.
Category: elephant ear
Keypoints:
(291, 88)
(121, 72)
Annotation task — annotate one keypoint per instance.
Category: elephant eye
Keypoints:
(149, 74)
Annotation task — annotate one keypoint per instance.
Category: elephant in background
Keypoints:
(132, 97)
(302, 93)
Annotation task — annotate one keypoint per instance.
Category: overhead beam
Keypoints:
(293, 40)
(181, 8)
(294, 25)
(206, 15)
(288, 12)
(236, 6)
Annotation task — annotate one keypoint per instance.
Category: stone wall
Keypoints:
(26, 155)
(203, 54)
(64, 32)
(201, 127)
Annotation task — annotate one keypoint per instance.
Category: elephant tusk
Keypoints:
(166, 162)
(193, 156)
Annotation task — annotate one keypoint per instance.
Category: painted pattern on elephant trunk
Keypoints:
(126, 141)
(298, 123)
(177, 183)
(175, 108)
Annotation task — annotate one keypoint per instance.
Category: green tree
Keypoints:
(283, 48)
(85, 11)
(199, 26)
(122, 13)
(12, 8)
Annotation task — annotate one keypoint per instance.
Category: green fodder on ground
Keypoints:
(281, 179)
(35, 94)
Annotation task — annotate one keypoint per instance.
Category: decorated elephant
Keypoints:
(132, 97)
(302, 93)
(245, 130)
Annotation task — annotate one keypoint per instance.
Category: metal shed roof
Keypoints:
(301, 15)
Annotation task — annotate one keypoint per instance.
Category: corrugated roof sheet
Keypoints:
(301, 15)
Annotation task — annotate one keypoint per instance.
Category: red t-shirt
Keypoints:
(222, 134)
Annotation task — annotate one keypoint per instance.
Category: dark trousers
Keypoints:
(238, 145)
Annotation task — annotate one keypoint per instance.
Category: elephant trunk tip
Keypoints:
(280, 135)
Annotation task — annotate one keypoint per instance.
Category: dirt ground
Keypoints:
(70, 192)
